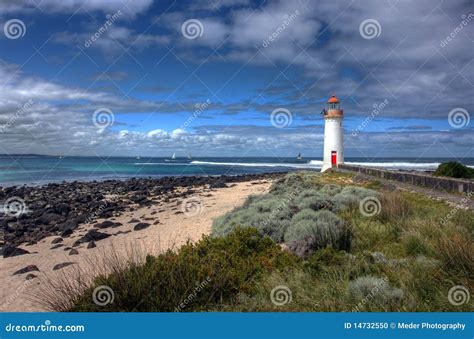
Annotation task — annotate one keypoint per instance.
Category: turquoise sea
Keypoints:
(36, 169)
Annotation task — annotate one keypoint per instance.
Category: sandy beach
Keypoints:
(163, 225)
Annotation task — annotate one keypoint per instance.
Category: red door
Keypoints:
(334, 158)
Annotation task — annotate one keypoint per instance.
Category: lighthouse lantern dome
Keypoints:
(333, 102)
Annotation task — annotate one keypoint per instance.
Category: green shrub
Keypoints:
(331, 189)
(350, 196)
(359, 192)
(345, 200)
(315, 202)
(324, 259)
(369, 290)
(455, 170)
(316, 230)
(295, 182)
(306, 214)
(200, 275)
(414, 245)
(268, 214)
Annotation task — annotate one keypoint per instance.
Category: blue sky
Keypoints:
(405, 89)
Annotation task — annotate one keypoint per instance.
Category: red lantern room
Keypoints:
(333, 103)
(333, 109)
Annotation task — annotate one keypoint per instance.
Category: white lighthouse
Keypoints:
(333, 144)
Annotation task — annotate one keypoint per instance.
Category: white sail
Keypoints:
(173, 156)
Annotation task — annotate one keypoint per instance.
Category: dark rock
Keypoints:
(57, 240)
(73, 252)
(62, 208)
(220, 183)
(29, 268)
(57, 246)
(107, 224)
(133, 221)
(68, 226)
(92, 235)
(156, 222)
(137, 198)
(12, 251)
(67, 232)
(62, 265)
(91, 245)
(122, 232)
(51, 218)
(30, 276)
(141, 226)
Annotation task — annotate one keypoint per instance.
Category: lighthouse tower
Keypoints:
(333, 145)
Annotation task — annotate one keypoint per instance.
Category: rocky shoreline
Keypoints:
(59, 209)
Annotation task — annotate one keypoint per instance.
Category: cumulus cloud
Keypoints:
(316, 48)
(130, 7)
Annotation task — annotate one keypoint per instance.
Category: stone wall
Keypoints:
(419, 179)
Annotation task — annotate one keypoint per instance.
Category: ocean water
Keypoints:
(36, 170)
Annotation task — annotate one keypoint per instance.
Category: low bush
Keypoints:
(369, 290)
(316, 202)
(331, 189)
(454, 169)
(414, 245)
(315, 230)
(199, 276)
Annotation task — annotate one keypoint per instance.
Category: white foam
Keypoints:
(160, 163)
(413, 165)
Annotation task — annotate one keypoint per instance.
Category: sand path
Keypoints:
(170, 228)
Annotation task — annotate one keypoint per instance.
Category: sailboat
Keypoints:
(189, 156)
(172, 158)
(299, 157)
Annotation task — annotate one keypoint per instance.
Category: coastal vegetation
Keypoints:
(315, 242)
(454, 169)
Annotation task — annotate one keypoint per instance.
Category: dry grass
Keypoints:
(394, 206)
(59, 291)
(457, 253)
